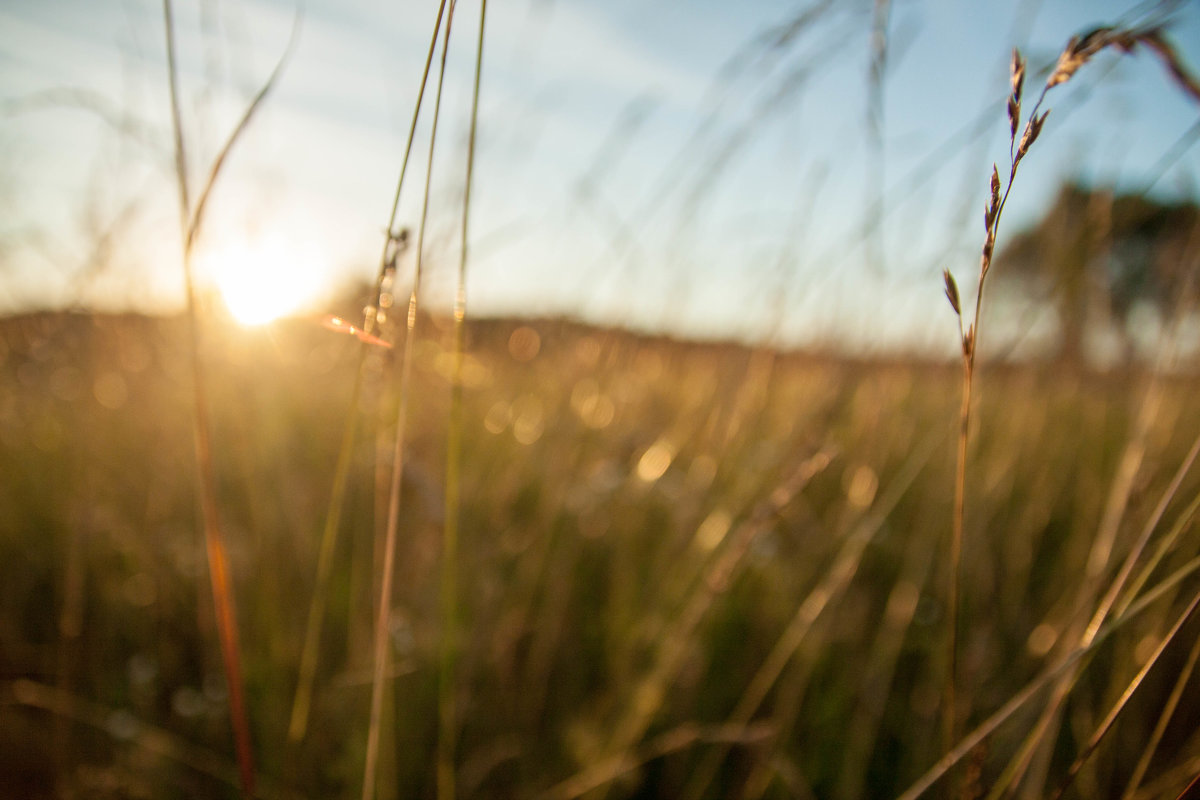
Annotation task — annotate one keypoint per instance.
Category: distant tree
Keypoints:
(1097, 255)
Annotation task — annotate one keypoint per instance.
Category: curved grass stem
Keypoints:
(190, 220)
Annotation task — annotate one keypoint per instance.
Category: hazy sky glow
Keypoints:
(654, 164)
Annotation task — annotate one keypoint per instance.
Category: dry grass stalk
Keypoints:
(393, 245)
(969, 338)
(1160, 727)
(387, 568)
(648, 696)
(191, 218)
(1034, 688)
(1106, 725)
(1098, 559)
(826, 593)
(447, 722)
(1079, 51)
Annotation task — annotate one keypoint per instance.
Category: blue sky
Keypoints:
(626, 171)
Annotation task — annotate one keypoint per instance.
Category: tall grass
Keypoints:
(552, 651)
(387, 568)
(447, 673)
(392, 250)
(630, 566)
(1076, 54)
(191, 216)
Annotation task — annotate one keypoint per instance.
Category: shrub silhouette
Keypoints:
(1097, 255)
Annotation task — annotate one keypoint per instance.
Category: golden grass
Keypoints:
(630, 567)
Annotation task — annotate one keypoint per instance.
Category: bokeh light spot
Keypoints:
(861, 486)
(655, 460)
(110, 390)
(524, 344)
(528, 419)
(712, 531)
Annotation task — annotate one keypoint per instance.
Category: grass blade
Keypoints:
(218, 560)
(837, 579)
(447, 724)
(1106, 725)
(197, 214)
(1035, 686)
(1160, 727)
(302, 701)
(383, 616)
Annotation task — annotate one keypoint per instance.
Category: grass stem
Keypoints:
(215, 545)
(387, 568)
(312, 636)
(447, 720)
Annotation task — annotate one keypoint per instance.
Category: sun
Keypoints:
(266, 277)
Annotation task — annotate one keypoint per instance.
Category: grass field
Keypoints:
(449, 556)
(685, 569)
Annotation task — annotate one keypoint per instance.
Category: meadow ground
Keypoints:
(684, 570)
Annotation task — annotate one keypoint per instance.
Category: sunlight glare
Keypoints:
(262, 279)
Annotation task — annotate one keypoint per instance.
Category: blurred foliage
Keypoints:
(1097, 255)
(605, 475)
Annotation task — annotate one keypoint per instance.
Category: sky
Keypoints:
(703, 168)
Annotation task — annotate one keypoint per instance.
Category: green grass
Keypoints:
(576, 575)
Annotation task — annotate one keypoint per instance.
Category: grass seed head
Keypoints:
(1017, 73)
(985, 260)
(1080, 49)
(1179, 73)
(1032, 129)
(952, 291)
(1070, 60)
